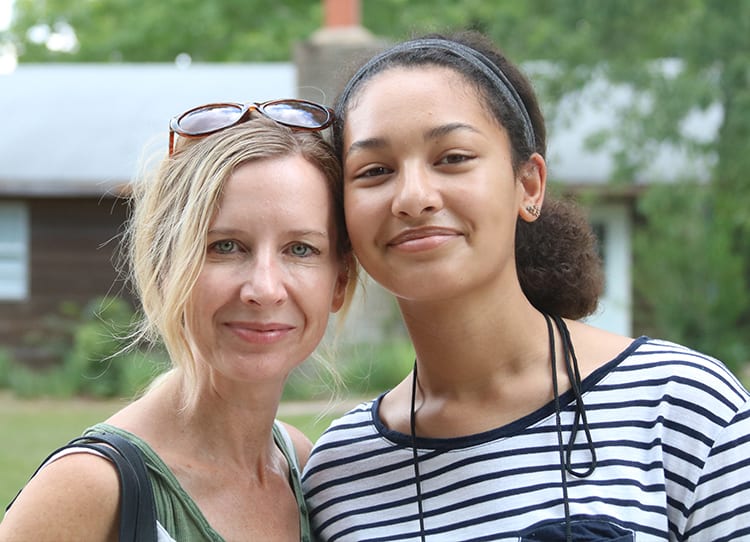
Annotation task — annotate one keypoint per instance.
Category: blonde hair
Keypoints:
(164, 243)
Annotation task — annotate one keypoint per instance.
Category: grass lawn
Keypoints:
(31, 429)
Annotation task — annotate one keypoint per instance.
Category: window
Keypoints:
(14, 251)
(611, 225)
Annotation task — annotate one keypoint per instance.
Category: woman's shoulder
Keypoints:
(74, 497)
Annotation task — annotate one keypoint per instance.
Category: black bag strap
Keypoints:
(137, 507)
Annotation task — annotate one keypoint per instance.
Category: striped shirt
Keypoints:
(671, 428)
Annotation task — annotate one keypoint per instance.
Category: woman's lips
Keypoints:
(260, 333)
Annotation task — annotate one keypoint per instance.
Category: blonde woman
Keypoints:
(239, 254)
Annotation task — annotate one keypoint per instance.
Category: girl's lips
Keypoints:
(418, 239)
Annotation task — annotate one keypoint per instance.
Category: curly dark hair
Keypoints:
(557, 260)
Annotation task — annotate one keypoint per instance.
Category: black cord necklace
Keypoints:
(565, 451)
(415, 455)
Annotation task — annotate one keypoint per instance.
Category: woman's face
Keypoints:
(271, 274)
(430, 195)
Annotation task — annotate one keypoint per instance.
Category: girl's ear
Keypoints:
(533, 181)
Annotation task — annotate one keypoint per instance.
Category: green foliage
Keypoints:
(91, 341)
(92, 359)
(52, 338)
(5, 368)
(28, 383)
(310, 381)
(364, 370)
(368, 369)
(697, 301)
(624, 41)
(100, 362)
(146, 31)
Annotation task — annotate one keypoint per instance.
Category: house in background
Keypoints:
(74, 135)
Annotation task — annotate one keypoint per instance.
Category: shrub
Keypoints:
(91, 341)
(365, 369)
(369, 369)
(138, 369)
(5, 368)
(97, 340)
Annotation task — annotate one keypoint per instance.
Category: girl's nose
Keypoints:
(415, 194)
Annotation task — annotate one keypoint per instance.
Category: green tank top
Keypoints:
(178, 514)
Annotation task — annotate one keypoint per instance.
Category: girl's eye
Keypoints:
(454, 158)
(224, 247)
(301, 250)
(376, 171)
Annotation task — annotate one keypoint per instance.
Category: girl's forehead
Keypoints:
(402, 83)
(419, 71)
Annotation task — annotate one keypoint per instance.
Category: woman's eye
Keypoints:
(301, 250)
(224, 247)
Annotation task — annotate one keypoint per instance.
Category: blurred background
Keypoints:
(648, 109)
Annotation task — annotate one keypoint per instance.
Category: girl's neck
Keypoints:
(458, 340)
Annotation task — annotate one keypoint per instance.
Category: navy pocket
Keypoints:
(582, 531)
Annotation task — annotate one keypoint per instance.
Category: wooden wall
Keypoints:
(72, 245)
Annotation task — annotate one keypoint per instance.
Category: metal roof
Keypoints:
(76, 129)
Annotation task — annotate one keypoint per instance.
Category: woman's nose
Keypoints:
(264, 284)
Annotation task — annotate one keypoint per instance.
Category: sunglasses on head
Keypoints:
(211, 118)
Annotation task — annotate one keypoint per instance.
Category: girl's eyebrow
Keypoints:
(433, 133)
(366, 144)
(446, 129)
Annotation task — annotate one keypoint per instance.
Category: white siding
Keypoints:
(612, 224)
(14, 251)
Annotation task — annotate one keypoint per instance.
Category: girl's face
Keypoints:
(430, 194)
(271, 274)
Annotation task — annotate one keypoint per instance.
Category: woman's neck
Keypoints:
(217, 425)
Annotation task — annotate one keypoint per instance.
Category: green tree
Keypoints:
(682, 294)
(692, 257)
(680, 57)
(147, 31)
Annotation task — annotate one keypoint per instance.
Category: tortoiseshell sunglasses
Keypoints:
(210, 118)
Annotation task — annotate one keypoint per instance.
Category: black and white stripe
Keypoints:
(672, 434)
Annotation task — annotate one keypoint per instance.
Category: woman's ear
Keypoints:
(346, 276)
(533, 182)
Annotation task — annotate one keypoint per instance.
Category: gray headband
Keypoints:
(473, 57)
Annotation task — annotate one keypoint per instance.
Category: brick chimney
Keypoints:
(324, 63)
(327, 59)
(341, 13)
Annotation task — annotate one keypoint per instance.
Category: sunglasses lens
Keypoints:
(297, 113)
(209, 119)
